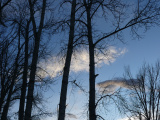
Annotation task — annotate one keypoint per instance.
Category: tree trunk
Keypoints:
(2, 75)
(92, 77)
(25, 72)
(63, 96)
(37, 36)
(6, 106)
(32, 81)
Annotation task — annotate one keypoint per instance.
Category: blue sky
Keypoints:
(133, 53)
(136, 53)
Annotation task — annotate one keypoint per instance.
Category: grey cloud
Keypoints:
(70, 115)
(110, 86)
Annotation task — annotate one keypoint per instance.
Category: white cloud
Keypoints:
(52, 67)
(109, 56)
(80, 61)
(109, 86)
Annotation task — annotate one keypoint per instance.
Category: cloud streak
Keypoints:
(70, 115)
(80, 61)
(133, 118)
(110, 86)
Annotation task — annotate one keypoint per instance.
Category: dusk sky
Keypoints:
(134, 53)
(110, 68)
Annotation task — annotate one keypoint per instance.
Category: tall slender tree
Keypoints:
(37, 37)
(25, 73)
(92, 76)
(145, 14)
(13, 78)
(10, 63)
(63, 95)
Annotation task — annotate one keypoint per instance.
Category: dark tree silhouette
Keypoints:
(142, 101)
(145, 14)
(63, 96)
(25, 73)
(37, 37)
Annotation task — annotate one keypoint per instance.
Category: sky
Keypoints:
(133, 54)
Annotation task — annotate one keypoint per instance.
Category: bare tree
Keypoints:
(20, 17)
(142, 101)
(11, 46)
(6, 107)
(37, 31)
(83, 13)
(63, 96)
(16, 51)
(92, 76)
(141, 17)
(25, 73)
(10, 76)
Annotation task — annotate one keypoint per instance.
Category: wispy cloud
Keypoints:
(51, 67)
(127, 118)
(70, 115)
(109, 56)
(80, 61)
(109, 86)
(132, 118)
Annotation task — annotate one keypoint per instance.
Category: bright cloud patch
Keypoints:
(52, 67)
(109, 56)
(80, 61)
